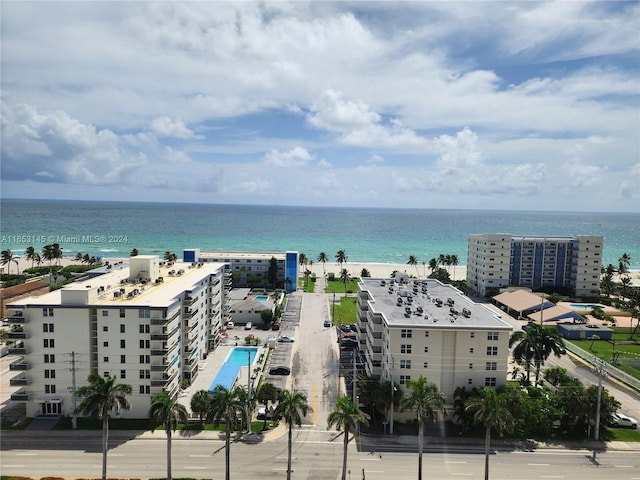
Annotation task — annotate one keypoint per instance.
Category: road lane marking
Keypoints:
(199, 456)
(538, 464)
(26, 454)
(624, 466)
(195, 468)
(452, 461)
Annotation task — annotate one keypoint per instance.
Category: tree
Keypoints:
(134, 252)
(292, 406)
(454, 261)
(266, 393)
(364, 273)
(433, 265)
(341, 257)
(165, 411)
(103, 395)
(624, 262)
(200, 403)
(224, 408)
(78, 257)
(170, 257)
(535, 345)
(427, 402)
(272, 273)
(31, 255)
(322, 257)
(346, 278)
(7, 258)
(347, 416)
(302, 260)
(463, 417)
(414, 263)
(491, 410)
(606, 281)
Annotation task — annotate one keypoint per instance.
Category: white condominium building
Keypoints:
(496, 260)
(409, 327)
(147, 323)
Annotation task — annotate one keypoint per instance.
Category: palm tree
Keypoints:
(442, 259)
(292, 406)
(322, 257)
(170, 257)
(492, 410)
(134, 253)
(414, 263)
(30, 254)
(165, 411)
(200, 402)
(606, 281)
(7, 257)
(302, 260)
(224, 408)
(427, 402)
(266, 393)
(536, 344)
(623, 264)
(78, 257)
(56, 252)
(341, 257)
(103, 395)
(453, 260)
(346, 278)
(346, 416)
(433, 265)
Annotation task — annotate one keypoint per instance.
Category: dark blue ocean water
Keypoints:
(113, 229)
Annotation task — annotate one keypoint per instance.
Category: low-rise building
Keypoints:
(409, 327)
(148, 323)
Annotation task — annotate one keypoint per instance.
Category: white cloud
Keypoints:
(296, 157)
(335, 114)
(165, 127)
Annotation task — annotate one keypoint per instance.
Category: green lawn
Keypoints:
(345, 311)
(336, 286)
(627, 355)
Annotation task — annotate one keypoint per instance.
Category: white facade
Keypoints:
(150, 330)
(500, 260)
(460, 344)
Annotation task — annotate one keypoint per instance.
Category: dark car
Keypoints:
(281, 370)
(275, 326)
(345, 328)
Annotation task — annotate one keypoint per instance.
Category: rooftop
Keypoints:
(420, 303)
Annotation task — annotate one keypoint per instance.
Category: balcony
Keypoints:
(19, 350)
(19, 381)
(17, 335)
(21, 396)
(19, 365)
(189, 300)
(17, 318)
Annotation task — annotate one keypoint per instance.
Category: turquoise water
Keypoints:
(239, 356)
(585, 306)
(376, 235)
(262, 298)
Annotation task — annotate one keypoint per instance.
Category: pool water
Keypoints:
(238, 356)
(262, 298)
(585, 306)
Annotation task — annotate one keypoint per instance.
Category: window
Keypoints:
(141, 388)
(105, 359)
(122, 313)
(492, 366)
(405, 333)
(123, 343)
(471, 366)
(141, 343)
(145, 359)
(147, 374)
(405, 348)
(122, 328)
(490, 382)
(47, 312)
(123, 359)
(49, 389)
(105, 328)
(47, 327)
(49, 373)
(470, 381)
(105, 344)
(404, 379)
(105, 313)
(425, 365)
(406, 364)
(426, 333)
(426, 349)
(123, 374)
(49, 343)
(471, 350)
(492, 351)
(145, 389)
(492, 335)
(472, 335)
(141, 328)
(49, 358)
(144, 313)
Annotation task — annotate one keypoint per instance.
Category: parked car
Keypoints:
(280, 370)
(327, 323)
(345, 328)
(275, 326)
(248, 326)
(620, 420)
(285, 339)
(230, 325)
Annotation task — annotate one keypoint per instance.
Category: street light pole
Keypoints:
(393, 397)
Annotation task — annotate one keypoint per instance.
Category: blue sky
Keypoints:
(483, 105)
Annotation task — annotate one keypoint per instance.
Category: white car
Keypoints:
(230, 325)
(285, 339)
(620, 420)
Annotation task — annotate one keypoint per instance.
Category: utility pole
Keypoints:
(74, 419)
(601, 373)
(393, 397)
(249, 391)
(354, 382)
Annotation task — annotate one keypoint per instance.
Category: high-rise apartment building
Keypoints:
(496, 260)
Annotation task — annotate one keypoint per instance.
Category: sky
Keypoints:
(467, 105)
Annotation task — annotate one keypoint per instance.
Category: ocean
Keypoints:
(374, 235)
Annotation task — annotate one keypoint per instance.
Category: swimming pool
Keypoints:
(585, 306)
(262, 298)
(228, 374)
